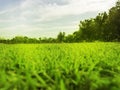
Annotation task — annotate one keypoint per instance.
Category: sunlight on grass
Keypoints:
(83, 66)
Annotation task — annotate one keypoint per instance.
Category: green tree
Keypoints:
(114, 21)
(18, 39)
(61, 37)
(69, 38)
(87, 30)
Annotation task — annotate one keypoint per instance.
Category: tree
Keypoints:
(114, 21)
(61, 37)
(87, 29)
(3, 40)
(18, 39)
(69, 38)
(101, 26)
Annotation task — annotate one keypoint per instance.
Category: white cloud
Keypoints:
(30, 15)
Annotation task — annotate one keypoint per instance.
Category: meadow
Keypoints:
(75, 66)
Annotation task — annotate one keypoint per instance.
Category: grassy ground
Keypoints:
(83, 66)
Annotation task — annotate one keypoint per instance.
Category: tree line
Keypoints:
(104, 27)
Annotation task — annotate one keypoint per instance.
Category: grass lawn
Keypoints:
(75, 66)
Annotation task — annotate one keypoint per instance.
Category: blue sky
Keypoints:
(46, 18)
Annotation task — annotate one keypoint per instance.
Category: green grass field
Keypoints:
(78, 66)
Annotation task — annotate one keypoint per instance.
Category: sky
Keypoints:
(46, 18)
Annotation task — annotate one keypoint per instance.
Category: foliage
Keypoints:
(61, 36)
(83, 66)
(104, 27)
